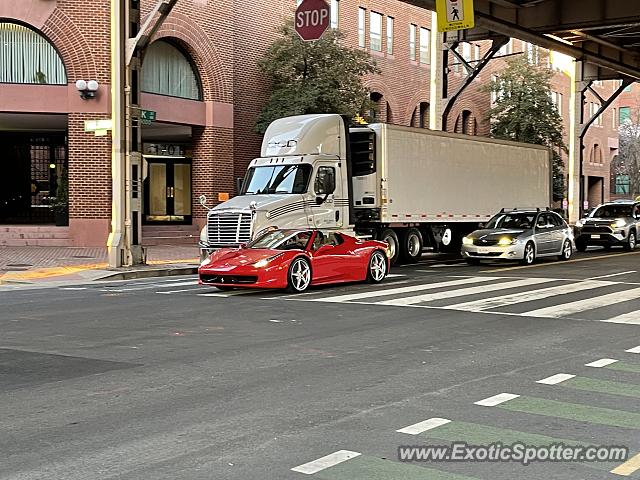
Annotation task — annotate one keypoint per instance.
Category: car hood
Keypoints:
(498, 232)
(227, 257)
(262, 202)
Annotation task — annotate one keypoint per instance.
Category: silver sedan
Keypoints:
(522, 235)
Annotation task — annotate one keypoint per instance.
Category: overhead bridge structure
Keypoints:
(603, 36)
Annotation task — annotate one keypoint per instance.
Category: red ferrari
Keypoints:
(295, 260)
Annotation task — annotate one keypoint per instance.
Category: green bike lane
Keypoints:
(584, 404)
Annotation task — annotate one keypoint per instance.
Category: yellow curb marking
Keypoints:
(562, 263)
(628, 467)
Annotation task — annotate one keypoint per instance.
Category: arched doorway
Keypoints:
(35, 155)
(167, 70)
(466, 123)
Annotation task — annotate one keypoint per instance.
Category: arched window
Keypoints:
(28, 57)
(420, 116)
(466, 123)
(596, 154)
(167, 71)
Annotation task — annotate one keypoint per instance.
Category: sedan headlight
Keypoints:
(265, 261)
(467, 241)
(506, 241)
(620, 223)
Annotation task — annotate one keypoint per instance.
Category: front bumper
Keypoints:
(616, 237)
(494, 252)
(245, 276)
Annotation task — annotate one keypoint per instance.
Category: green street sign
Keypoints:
(147, 116)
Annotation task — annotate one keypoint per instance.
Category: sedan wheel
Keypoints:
(299, 277)
(529, 254)
(631, 243)
(567, 251)
(377, 267)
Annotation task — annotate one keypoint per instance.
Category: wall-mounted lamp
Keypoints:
(87, 89)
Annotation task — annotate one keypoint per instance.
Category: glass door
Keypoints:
(168, 190)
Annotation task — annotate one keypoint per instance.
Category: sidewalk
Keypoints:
(33, 265)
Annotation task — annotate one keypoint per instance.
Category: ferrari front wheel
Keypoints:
(377, 267)
(299, 276)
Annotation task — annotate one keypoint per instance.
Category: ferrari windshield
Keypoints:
(612, 211)
(282, 240)
(283, 179)
(512, 220)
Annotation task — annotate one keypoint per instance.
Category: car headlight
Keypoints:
(467, 241)
(620, 223)
(265, 230)
(506, 241)
(265, 261)
(579, 224)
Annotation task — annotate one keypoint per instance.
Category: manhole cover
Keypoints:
(19, 265)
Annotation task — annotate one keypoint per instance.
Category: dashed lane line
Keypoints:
(634, 350)
(325, 462)
(629, 467)
(603, 362)
(556, 379)
(496, 400)
(424, 426)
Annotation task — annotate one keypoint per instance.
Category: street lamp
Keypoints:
(87, 89)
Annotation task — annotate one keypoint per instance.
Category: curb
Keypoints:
(149, 273)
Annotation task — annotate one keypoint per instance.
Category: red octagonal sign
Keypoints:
(312, 19)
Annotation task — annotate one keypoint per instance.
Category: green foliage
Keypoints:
(524, 112)
(314, 77)
(629, 157)
(61, 204)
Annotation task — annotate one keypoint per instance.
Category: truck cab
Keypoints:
(300, 180)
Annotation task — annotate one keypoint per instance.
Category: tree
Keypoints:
(628, 164)
(524, 112)
(314, 77)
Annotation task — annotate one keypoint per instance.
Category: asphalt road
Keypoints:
(163, 379)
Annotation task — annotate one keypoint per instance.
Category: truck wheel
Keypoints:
(411, 246)
(391, 238)
(299, 276)
(631, 242)
(529, 254)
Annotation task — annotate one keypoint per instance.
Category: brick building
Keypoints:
(200, 76)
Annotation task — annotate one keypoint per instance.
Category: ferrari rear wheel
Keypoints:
(299, 276)
(377, 267)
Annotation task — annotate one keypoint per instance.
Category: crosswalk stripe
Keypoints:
(462, 292)
(562, 310)
(631, 318)
(325, 462)
(504, 300)
(400, 290)
(634, 350)
(422, 427)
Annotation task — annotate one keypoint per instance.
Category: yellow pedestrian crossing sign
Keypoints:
(455, 15)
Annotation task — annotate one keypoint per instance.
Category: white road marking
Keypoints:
(400, 290)
(73, 288)
(325, 462)
(122, 288)
(424, 426)
(462, 292)
(504, 300)
(603, 362)
(612, 275)
(169, 292)
(634, 350)
(556, 379)
(496, 399)
(631, 318)
(557, 311)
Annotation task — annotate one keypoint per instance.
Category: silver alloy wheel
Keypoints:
(529, 254)
(567, 251)
(300, 275)
(377, 266)
(413, 245)
(632, 241)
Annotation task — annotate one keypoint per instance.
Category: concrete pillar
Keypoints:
(436, 73)
(575, 154)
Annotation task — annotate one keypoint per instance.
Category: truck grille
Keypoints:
(228, 229)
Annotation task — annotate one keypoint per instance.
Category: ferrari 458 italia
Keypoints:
(295, 260)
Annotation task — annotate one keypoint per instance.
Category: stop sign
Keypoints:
(312, 19)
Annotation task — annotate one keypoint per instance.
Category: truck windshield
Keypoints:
(277, 179)
(511, 220)
(612, 211)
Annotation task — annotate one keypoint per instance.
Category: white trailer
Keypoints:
(410, 187)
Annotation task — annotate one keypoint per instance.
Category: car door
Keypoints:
(557, 232)
(327, 209)
(543, 234)
(331, 259)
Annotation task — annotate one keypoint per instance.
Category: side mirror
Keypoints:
(320, 200)
(481, 225)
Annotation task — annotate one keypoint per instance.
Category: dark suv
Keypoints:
(613, 223)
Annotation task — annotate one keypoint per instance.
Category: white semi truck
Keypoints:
(410, 187)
